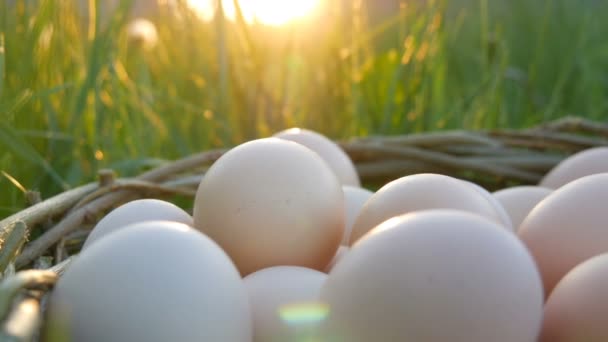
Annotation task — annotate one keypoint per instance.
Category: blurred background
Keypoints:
(128, 85)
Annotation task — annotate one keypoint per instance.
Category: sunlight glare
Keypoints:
(267, 12)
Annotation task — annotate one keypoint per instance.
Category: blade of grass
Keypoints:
(13, 142)
(2, 62)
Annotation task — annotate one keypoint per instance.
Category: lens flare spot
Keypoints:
(303, 313)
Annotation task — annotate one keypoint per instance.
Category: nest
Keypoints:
(494, 159)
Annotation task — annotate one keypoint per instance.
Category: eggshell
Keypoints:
(500, 210)
(342, 251)
(272, 202)
(285, 303)
(568, 227)
(518, 201)
(137, 211)
(329, 151)
(152, 281)
(435, 275)
(587, 162)
(354, 198)
(577, 309)
(421, 192)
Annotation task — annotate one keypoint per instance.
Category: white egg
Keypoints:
(568, 227)
(578, 307)
(134, 212)
(585, 163)
(342, 251)
(329, 151)
(435, 276)
(518, 201)
(285, 303)
(498, 207)
(272, 202)
(422, 192)
(354, 199)
(153, 281)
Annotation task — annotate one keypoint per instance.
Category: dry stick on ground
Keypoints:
(10, 287)
(434, 139)
(95, 207)
(464, 150)
(384, 169)
(443, 160)
(576, 124)
(525, 162)
(52, 207)
(551, 139)
(137, 186)
(23, 321)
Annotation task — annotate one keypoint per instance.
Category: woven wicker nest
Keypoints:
(493, 159)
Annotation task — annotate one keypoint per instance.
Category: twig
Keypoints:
(135, 185)
(52, 207)
(433, 139)
(117, 195)
(62, 266)
(186, 164)
(443, 160)
(185, 182)
(23, 321)
(576, 124)
(566, 141)
(395, 168)
(10, 287)
(466, 150)
(539, 163)
(70, 223)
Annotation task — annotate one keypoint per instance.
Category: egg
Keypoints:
(421, 192)
(152, 281)
(354, 199)
(272, 202)
(568, 227)
(500, 210)
(329, 151)
(435, 276)
(518, 201)
(137, 211)
(285, 303)
(584, 163)
(578, 307)
(342, 251)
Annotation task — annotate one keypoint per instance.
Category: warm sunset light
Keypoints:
(267, 12)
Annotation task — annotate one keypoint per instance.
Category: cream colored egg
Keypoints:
(141, 210)
(577, 309)
(285, 303)
(342, 251)
(500, 210)
(518, 201)
(568, 227)
(584, 163)
(272, 202)
(354, 199)
(435, 276)
(329, 151)
(153, 281)
(421, 192)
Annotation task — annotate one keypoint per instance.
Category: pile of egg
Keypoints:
(284, 245)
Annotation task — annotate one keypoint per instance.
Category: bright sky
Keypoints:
(269, 12)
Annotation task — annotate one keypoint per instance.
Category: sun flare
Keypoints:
(267, 12)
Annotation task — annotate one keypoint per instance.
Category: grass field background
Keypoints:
(76, 95)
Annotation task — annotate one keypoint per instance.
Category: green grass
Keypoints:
(70, 91)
